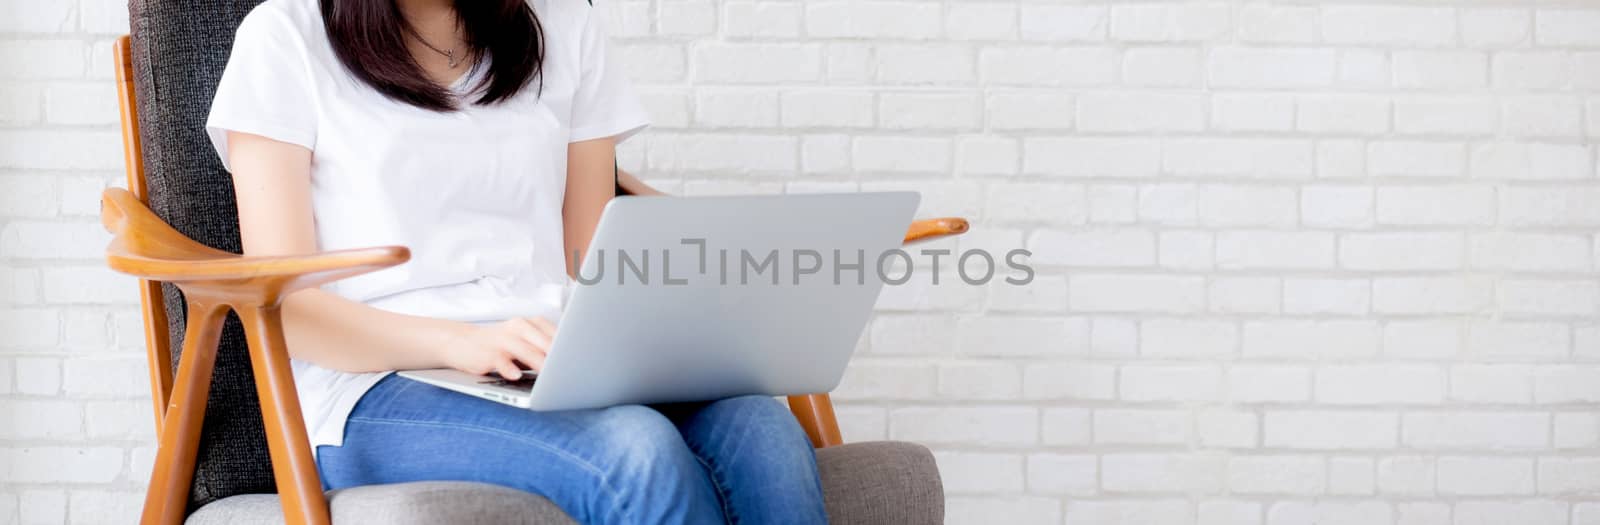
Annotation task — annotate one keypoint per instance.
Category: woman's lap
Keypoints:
(739, 458)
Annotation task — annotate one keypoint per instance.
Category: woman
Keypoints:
(481, 134)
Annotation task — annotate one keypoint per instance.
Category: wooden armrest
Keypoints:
(929, 229)
(146, 247)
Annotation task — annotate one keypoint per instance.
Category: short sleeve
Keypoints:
(604, 105)
(266, 88)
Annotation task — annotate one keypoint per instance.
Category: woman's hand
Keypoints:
(505, 347)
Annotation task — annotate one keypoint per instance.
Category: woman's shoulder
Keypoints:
(565, 15)
(561, 9)
(284, 19)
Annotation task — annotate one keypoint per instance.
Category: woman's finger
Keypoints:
(507, 368)
(544, 325)
(530, 333)
(528, 354)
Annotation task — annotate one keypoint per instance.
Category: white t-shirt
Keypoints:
(475, 194)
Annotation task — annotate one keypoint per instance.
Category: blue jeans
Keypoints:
(742, 459)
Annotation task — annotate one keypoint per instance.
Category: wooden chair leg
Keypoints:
(159, 354)
(815, 412)
(167, 498)
(299, 486)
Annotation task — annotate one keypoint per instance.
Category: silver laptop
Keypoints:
(701, 298)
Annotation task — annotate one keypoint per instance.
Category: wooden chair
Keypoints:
(204, 284)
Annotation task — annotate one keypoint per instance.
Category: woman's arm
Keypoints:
(591, 166)
(273, 182)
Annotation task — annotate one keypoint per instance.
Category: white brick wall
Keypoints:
(1330, 261)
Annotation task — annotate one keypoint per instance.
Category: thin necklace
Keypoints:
(449, 56)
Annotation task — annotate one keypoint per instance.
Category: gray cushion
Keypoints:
(881, 482)
(426, 502)
(869, 483)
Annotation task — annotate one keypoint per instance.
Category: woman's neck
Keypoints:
(423, 6)
(420, 12)
(437, 41)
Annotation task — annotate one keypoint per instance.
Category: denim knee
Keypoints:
(641, 438)
(651, 470)
(762, 416)
(754, 432)
(761, 460)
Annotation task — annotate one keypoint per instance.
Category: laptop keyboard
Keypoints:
(525, 383)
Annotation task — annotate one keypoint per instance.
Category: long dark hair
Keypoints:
(369, 37)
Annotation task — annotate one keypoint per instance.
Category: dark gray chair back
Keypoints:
(179, 50)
